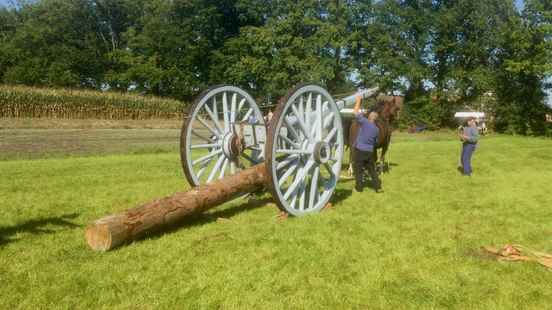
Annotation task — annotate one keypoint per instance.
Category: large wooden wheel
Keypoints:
(304, 150)
(224, 132)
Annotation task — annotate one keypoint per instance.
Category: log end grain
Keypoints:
(98, 237)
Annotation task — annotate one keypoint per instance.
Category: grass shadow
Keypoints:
(386, 167)
(37, 227)
(206, 218)
(340, 194)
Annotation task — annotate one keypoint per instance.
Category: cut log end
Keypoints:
(98, 237)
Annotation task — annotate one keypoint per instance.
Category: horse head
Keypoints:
(389, 107)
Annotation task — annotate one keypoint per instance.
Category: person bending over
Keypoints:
(364, 148)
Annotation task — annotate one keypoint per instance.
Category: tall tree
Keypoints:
(56, 43)
(300, 41)
(169, 50)
(9, 22)
(441, 54)
(525, 62)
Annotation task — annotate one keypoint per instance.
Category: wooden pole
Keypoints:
(114, 230)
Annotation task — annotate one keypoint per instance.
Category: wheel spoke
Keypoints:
(304, 116)
(215, 107)
(287, 161)
(286, 175)
(214, 118)
(240, 106)
(216, 168)
(204, 146)
(202, 121)
(206, 157)
(202, 137)
(223, 169)
(293, 201)
(330, 135)
(314, 128)
(325, 106)
(329, 169)
(298, 178)
(200, 172)
(328, 119)
(247, 115)
(301, 195)
(233, 108)
(288, 140)
(300, 121)
(319, 113)
(314, 187)
(308, 116)
(291, 129)
(291, 152)
(225, 112)
(291, 190)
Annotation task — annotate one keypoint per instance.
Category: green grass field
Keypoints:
(418, 245)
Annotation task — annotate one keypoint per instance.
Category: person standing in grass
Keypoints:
(364, 148)
(469, 137)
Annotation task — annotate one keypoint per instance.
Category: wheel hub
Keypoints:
(321, 152)
(232, 145)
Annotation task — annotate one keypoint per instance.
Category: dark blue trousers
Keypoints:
(364, 160)
(467, 152)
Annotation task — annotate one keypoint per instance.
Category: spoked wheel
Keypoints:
(224, 133)
(304, 150)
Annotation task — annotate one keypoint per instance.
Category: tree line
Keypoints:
(442, 55)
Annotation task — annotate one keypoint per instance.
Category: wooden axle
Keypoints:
(114, 230)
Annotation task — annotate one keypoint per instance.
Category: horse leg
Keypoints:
(384, 167)
(375, 159)
(384, 149)
(350, 169)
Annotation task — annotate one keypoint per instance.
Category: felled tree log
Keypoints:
(114, 230)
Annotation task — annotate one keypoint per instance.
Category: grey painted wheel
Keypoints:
(304, 150)
(224, 133)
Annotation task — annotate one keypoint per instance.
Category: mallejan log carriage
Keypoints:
(228, 149)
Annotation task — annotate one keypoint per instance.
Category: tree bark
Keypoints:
(114, 230)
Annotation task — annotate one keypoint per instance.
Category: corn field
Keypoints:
(23, 101)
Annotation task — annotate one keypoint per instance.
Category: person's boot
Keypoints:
(460, 169)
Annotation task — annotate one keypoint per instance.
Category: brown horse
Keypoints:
(388, 108)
